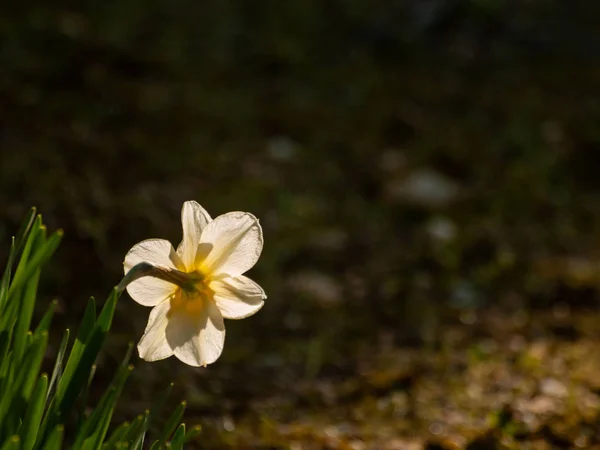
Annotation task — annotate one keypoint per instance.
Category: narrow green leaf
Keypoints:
(23, 233)
(6, 276)
(117, 435)
(107, 313)
(14, 402)
(33, 414)
(192, 434)
(55, 439)
(4, 350)
(47, 318)
(178, 438)
(11, 443)
(16, 247)
(125, 363)
(10, 310)
(9, 316)
(135, 428)
(84, 396)
(8, 319)
(138, 443)
(93, 427)
(32, 363)
(24, 261)
(25, 314)
(173, 422)
(95, 441)
(88, 321)
(85, 329)
(96, 425)
(90, 351)
(160, 402)
(100, 418)
(7, 368)
(10, 388)
(37, 260)
(157, 407)
(58, 364)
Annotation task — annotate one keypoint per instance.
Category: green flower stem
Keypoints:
(186, 281)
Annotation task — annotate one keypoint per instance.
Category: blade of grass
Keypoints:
(6, 276)
(85, 329)
(116, 436)
(178, 438)
(172, 422)
(83, 334)
(85, 392)
(58, 366)
(135, 428)
(32, 363)
(25, 228)
(192, 434)
(92, 346)
(9, 389)
(10, 313)
(38, 259)
(88, 435)
(7, 323)
(9, 317)
(4, 348)
(120, 371)
(55, 439)
(13, 443)
(33, 414)
(14, 401)
(24, 261)
(95, 441)
(93, 425)
(80, 363)
(16, 247)
(138, 443)
(160, 402)
(7, 368)
(47, 318)
(25, 314)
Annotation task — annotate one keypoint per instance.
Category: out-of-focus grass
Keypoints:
(407, 164)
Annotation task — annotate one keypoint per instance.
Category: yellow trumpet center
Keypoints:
(191, 298)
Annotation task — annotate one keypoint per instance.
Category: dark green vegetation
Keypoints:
(426, 174)
(44, 410)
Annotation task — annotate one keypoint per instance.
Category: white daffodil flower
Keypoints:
(192, 289)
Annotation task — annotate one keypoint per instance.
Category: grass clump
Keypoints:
(40, 411)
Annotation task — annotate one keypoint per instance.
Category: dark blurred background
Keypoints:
(415, 164)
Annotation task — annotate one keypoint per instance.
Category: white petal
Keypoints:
(153, 345)
(197, 341)
(150, 291)
(238, 297)
(235, 241)
(193, 220)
